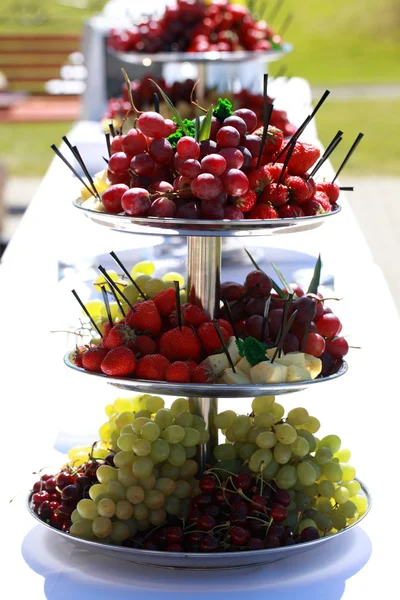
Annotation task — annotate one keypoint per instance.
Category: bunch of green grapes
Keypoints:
(153, 472)
(315, 472)
(142, 273)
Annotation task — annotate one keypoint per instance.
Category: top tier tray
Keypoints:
(203, 228)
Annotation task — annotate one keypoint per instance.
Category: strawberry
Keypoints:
(331, 189)
(92, 359)
(144, 345)
(202, 374)
(194, 315)
(119, 362)
(224, 323)
(275, 194)
(144, 316)
(258, 179)
(273, 141)
(120, 335)
(299, 191)
(290, 211)
(192, 364)
(323, 200)
(181, 344)
(77, 356)
(209, 338)
(246, 201)
(165, 302)
(274, 171)
(303, 157)
(263, 211)
(152, 366)
(177, 372)
(313, 207)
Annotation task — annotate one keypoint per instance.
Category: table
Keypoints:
(46, 408)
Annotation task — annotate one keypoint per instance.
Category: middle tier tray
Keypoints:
(203, 390)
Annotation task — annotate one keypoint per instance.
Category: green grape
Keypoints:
(173, 276)
(160, 450)
(348, 472)
(306, 523)
(323, 522)
(101, 527)
(145, 414)
(253, 433)
(324, 505)
(348, 509)
(191, 452)
(124, 418)
(272, 470)
(153, 287)
(278, 411)
(331, 441)
(177, 455)
(204, 436)
(230, 435)
(341, 494)
(262, 404)
(96, 489)
(114, 439)
(312, 443)
(123, 405)
(229, 466)
(154, 499)
(105, 473)
(165, 485)
(135, 494)
(343, 455)
(179, 405)
(297, 417)
(127, 429)
(157, 516)
(82, 529)
(116, 490)
(360, 502)
(198, 422)
(172, 505)
(312, 425)
(87, 509)
(140, 512)
(300, 447)
(323, 455)
(260, 460)
(168, 470)
(143, 524)
(124, 458)
(192, 437)
(338, 520)
(282, 453)
(225, 452)
(154, 403)
(114, 310)
(311, 490)
(75, 516)
(182, 489)
(333, 472)
(109, 410)
(246, 450)
(353, 486)
(147, 483)
(105, 432)
(224, 419)
(106, 508)
(286, 476)
(265, 419)
(306, 473)
(94, 307)
(100, 453)
(266, 439)
(188, 470)
(174, 434)
(326, 489)
(141, 279)
(119, 531)
(142, 467)
(298, 486)
(285, 433)
(131, 293)
(143, 266)
(302, 500)
(240, 427)
(126, 440)
(138, 424)
(123, 510)
(184, 419)
(126, 477)
(317, 468)
(141, 447)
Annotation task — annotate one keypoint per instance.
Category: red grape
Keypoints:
(161, 151)
(237, 122)
(190, 168)
(235, 182)
(214, 164)
(117, 144)
(338, 347)
(249, 117)
(136, 202)
(111, 198)
(315, 344)
(152, 124)
(187, 147)
(206, 186)
(233, 156)
(328, 325)
(143, 165)
(232, 213)
(227, 137)
(162, 207)
(263, 282)
(134, 142)
(119, 163)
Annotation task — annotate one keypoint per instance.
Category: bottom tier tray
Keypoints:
(201, 561)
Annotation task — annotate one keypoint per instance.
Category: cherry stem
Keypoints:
(125, 270)
(178, 305)
(87, 313)
(130, 96)
(192, 100)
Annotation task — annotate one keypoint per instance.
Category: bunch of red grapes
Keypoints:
(229, 516)
(194, 26)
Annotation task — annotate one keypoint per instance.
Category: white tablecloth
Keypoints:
(46, 408)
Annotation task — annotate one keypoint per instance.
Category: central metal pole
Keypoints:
(203, 282)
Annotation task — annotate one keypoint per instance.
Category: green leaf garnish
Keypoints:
(190, 127)
(205, 128)
(223, 109)
(282, 278)
(172, 107)
(253, 350)
(315, 281)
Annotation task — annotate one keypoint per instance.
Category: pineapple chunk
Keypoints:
(297, 374)
(293, 358)
(313, 365)
(217, 363)
(244, 365)
(233, 350)
(267, 372)
(270, 353)
(94, 204)
(235, 378)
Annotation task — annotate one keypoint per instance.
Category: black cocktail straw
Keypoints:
(294, 137)
(224, 346)
(129, 276)
(156, 102)
(87, 313)
(324, 158)
(79, 159)
(57, 151)
(111, 128)
(350, 152)
(107, 305)
(286, 162)
(108, 143)
(347, 188)
(114, 285)
(320, 103)
(230, 317)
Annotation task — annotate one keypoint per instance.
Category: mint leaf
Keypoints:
(253, 350)
(223, 109)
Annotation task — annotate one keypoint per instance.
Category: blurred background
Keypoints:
(348, 46)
